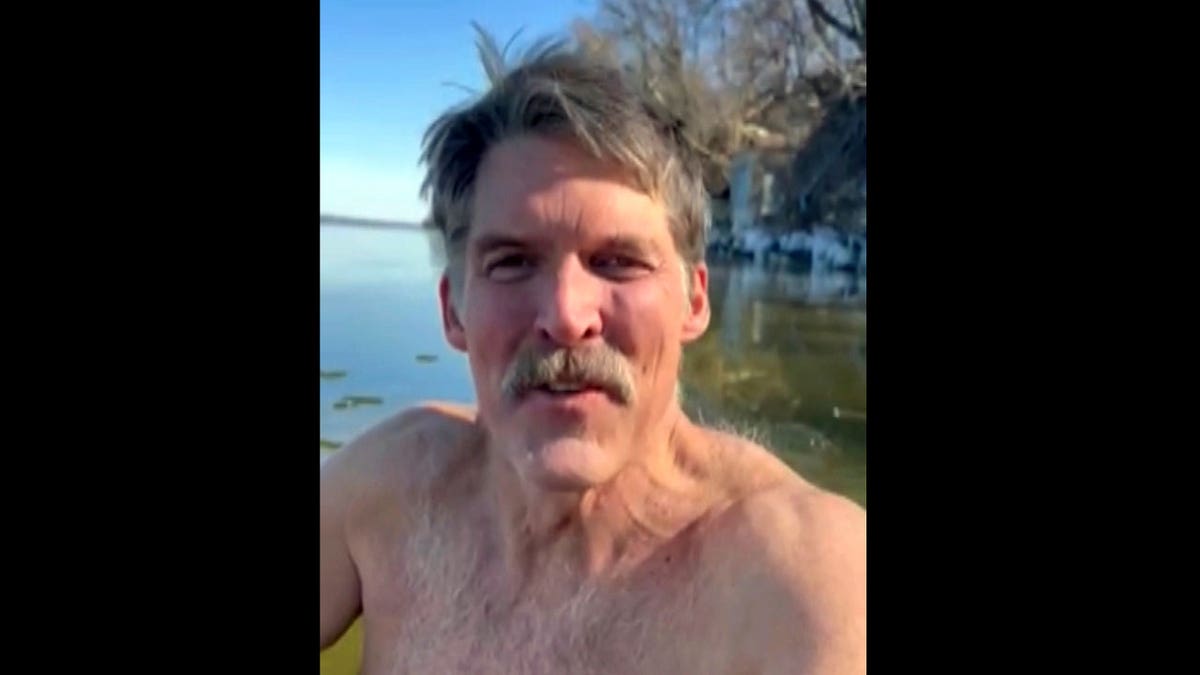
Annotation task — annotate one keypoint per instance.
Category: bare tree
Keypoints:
(747, 74)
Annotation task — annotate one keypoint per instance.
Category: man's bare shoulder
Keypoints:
(801, 528)
(744, 467)
(794, 558)
(777, 511)
(410, 450)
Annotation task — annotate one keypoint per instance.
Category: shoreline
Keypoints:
(369, 223)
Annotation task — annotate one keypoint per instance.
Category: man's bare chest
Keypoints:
(588, 633)
(442, 606)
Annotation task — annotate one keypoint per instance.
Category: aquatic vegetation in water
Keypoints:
(354, 401)
(848, 414)
(426, 358)
(332, 374)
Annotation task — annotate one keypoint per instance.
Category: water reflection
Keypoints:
(785, 361)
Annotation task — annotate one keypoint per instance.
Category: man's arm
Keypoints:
(340, 590)
(385, 463)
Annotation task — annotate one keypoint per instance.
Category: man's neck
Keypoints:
(606, 529)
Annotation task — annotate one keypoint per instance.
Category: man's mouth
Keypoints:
(564, 389)
(576, 376)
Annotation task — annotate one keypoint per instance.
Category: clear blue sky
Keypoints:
(383, 65)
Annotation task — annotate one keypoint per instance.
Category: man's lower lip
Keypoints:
(548, 395)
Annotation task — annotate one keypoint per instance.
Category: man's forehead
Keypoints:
(563, 198)
(532, 187)
(545, 217)
(544, 236)
(540, 156)
(532, 167)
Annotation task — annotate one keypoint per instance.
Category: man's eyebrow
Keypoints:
(489, 242)
(624, 242)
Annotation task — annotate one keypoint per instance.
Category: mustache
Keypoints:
(601, 367)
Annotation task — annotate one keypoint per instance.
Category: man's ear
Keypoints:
(695, 321)
(451, 324)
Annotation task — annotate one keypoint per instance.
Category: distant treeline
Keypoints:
(330, 219)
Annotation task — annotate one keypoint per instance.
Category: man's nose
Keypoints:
(569, 304)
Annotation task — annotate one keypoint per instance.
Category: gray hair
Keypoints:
(558, 92)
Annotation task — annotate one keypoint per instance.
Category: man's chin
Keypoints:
(570, 464)
(566, 404)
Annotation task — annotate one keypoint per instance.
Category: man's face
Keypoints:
(572, 311)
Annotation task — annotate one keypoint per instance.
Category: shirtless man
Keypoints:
(577, 521)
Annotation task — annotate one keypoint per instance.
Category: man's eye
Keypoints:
(620, 265)
(614, 261)
(509, 267)
(514, 260)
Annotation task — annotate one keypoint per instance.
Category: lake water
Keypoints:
(784, 358)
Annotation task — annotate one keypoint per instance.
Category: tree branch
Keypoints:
(818, 9)
(852, 15)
